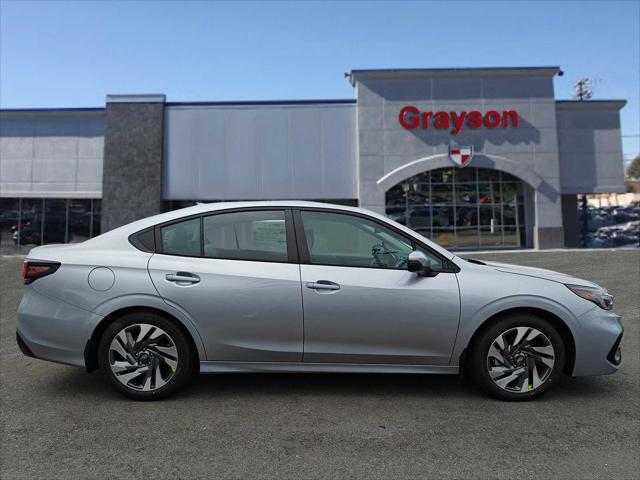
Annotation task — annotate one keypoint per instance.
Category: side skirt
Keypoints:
(235, 367)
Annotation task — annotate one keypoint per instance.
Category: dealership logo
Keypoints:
(461, 156)
(411, 117)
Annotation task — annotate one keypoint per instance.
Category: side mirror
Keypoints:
(419, 263)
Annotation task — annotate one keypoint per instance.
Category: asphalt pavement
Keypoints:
(59, 422)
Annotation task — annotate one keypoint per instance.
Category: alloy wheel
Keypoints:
(143, 357)
(520, 359)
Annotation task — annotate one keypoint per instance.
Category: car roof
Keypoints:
(202, 208)
(123, 233)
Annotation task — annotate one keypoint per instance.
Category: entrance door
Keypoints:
(362, 305)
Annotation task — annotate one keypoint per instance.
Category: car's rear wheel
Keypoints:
(519, 357)
(145, 356)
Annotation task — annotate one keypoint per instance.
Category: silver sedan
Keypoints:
(304, 287)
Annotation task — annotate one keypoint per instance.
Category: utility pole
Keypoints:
(582, 89)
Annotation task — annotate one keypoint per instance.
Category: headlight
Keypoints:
(599, 296)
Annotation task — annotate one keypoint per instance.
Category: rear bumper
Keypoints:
(598, 343)
(24, 348)
(51, 329)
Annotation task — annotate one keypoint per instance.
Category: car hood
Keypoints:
(540, 273)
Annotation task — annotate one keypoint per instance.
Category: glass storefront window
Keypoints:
(467, 175)
(420, 217)
(441, 193)
(488, 192)
(489, 214)
(509, 192)
(486, 175)
(79, 220)
(443, 236)
(511, 236)
(491, 238)
(466, 216)
(466, 193)
(95, 215)
(55, 221)
(508, 215)
(9, 216)
(443, 216)
(507, 177)
(423, 177)
(467, 238)
(442, 175)
(461, 208)
(29, 222)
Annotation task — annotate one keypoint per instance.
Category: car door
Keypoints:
(236, 274)
(361, 304)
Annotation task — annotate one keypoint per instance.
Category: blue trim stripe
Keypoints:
(267, 102)
(44, 110)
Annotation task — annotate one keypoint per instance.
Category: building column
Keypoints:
(570, 220)
(548, 230)
(132, 171)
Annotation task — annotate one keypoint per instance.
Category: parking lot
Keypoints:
(59, 422)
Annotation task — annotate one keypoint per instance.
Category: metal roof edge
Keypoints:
(355, 75)
(590, 104)
(137, 98)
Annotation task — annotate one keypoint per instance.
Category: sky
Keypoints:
(71, 54)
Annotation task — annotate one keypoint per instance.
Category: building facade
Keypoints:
(472, 158)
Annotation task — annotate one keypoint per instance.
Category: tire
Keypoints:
(146, 356)
(518, 357)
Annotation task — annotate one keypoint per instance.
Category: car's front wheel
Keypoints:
(519, 357)
(145, 356)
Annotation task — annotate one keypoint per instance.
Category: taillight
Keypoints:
(32, 270)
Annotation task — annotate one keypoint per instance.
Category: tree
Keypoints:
(633, 170)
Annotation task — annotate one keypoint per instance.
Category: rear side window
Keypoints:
(144, 240)
(181, 238)
(254, 235)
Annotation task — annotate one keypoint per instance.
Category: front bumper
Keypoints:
(615, 354)
(51, 329)
(597, 342)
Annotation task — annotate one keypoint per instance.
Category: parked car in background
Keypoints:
(30, 233)
(611, 226)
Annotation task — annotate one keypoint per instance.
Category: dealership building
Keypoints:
(473, 158)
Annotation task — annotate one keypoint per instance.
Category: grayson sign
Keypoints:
(411, 117)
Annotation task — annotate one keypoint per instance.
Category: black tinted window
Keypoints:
(146, 240)
(253, 235)
(182, 238)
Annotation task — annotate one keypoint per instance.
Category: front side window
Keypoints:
(253, 235)
(182, 238)
(351, 241)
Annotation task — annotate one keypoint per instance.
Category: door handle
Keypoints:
(183, 277)
(323, 285)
